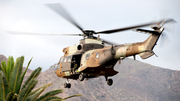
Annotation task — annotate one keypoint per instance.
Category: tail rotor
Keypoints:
(163, 28)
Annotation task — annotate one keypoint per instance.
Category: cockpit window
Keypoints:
(56, 67)
(97, 55)
(69, 59)
(61, 60)
(87, 56)
(65, 59)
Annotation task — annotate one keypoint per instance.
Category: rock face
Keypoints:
(136, 81)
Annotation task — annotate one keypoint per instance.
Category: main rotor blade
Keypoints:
(61, 11)
(131, 27)
(28, 33)
(108, 42)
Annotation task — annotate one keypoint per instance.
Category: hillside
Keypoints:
(136, 81)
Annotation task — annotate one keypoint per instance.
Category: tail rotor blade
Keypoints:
(164, 40)
(170, 28)
(164, 15)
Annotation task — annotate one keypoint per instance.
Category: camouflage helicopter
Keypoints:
(92, 58)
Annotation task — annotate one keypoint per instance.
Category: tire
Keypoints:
(68, 85)
(81, 77)
(65, 85)
(109, 82)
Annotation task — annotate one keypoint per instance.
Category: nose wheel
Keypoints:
(109, 81)
(81, 77)
(67, 84)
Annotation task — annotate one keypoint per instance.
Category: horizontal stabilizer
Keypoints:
(145, 55)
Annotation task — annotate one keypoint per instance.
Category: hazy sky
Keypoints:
(33, 16)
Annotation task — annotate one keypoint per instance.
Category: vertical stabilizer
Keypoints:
(149, 45)
(146, 50)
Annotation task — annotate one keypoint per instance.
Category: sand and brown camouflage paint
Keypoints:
(105, 58)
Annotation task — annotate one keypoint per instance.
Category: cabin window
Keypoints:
(69, 59)
(97, 55)
(61, 60)
(87, 56)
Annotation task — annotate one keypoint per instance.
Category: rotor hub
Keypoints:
(89, 33)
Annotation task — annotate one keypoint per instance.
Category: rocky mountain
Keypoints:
(136, 81)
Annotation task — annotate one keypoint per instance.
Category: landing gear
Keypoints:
(81, 77)
(109, 81)
(67, 84)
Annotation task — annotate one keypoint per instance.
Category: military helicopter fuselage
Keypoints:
(94, 59)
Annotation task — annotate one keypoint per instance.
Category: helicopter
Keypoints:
(92, 58)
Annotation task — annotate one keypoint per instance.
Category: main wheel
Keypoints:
(68, 85)
(109, 82)
(81, 77)
(65, 85)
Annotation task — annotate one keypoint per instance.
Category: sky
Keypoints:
(35, 17)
